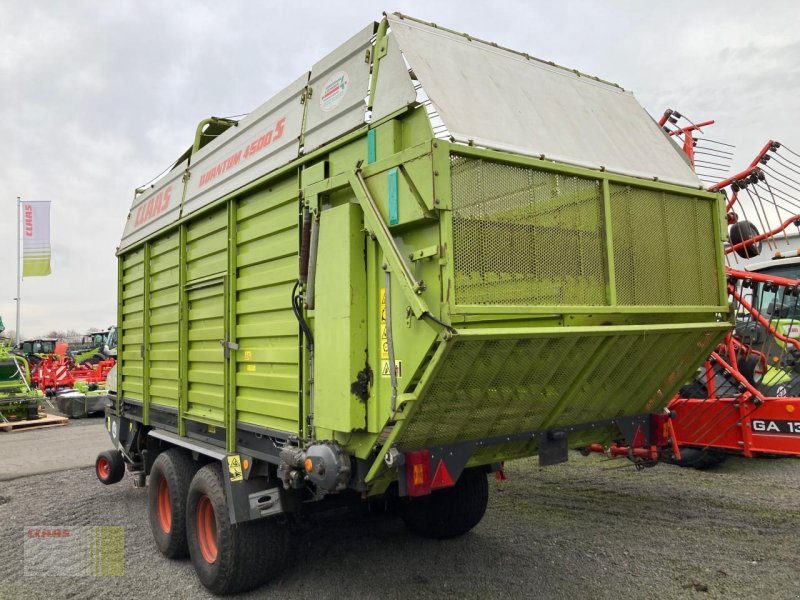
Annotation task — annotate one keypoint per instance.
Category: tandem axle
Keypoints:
(259, 484)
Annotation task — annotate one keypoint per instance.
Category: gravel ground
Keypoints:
(589, 529)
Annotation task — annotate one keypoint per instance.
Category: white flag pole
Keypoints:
(19, 262)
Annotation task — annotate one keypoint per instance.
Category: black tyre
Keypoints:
(450, 512)
(109, 466)
(32, 411)
(230, 558)
(741, 231)
(701, 460)
(170, 477)
(751, 369)
(696, 389)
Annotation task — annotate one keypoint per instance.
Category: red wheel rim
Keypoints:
(103, 468)
(164, 506)
(207, 530)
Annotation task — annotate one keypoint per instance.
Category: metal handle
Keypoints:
(228, 346)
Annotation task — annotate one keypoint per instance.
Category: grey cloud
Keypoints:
(97, 97)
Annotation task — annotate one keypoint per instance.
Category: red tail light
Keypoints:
(418, 472)
(659, 429)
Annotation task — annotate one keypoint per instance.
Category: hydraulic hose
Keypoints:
(297, 309)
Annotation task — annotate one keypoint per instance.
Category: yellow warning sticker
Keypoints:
(398, 368)
(384, 341)
(248, 355)
(235, 467)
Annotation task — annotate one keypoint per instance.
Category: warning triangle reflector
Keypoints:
(442, 477)
(638, 439)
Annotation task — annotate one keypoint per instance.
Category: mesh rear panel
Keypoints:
(663, 253)
(526, 237)
(495, 387)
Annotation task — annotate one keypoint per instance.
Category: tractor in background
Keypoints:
(95, 347)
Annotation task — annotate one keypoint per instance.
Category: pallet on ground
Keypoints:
(40, 423)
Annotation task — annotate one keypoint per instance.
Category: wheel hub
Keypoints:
(207, 530)
(103, 468)
(164, 507)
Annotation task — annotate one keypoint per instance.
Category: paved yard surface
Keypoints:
(28, 452)
(588, 529)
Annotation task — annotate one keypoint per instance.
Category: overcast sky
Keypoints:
(97, 97)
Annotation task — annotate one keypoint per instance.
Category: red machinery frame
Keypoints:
(736, 417)
(55, 372)
(748, 421)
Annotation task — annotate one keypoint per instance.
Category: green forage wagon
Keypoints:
(427, 255)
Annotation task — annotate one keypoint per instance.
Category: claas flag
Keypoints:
(35, 239)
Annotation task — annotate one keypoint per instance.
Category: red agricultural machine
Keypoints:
(77, 384)
(59, 371)
(746, 398)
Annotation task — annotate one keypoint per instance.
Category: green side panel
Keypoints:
(164, 321)
(205, 357)
(207, 246)
(131, 335)
(341, 299)
(398, 193)
(206, 266)
(493, 384)
(388, 139)
(267, 371)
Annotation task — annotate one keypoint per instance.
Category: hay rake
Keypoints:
(745, 399)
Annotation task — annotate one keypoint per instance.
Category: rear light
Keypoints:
(419, 479)
(441, 477)
(418, 472)
(659, 429)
